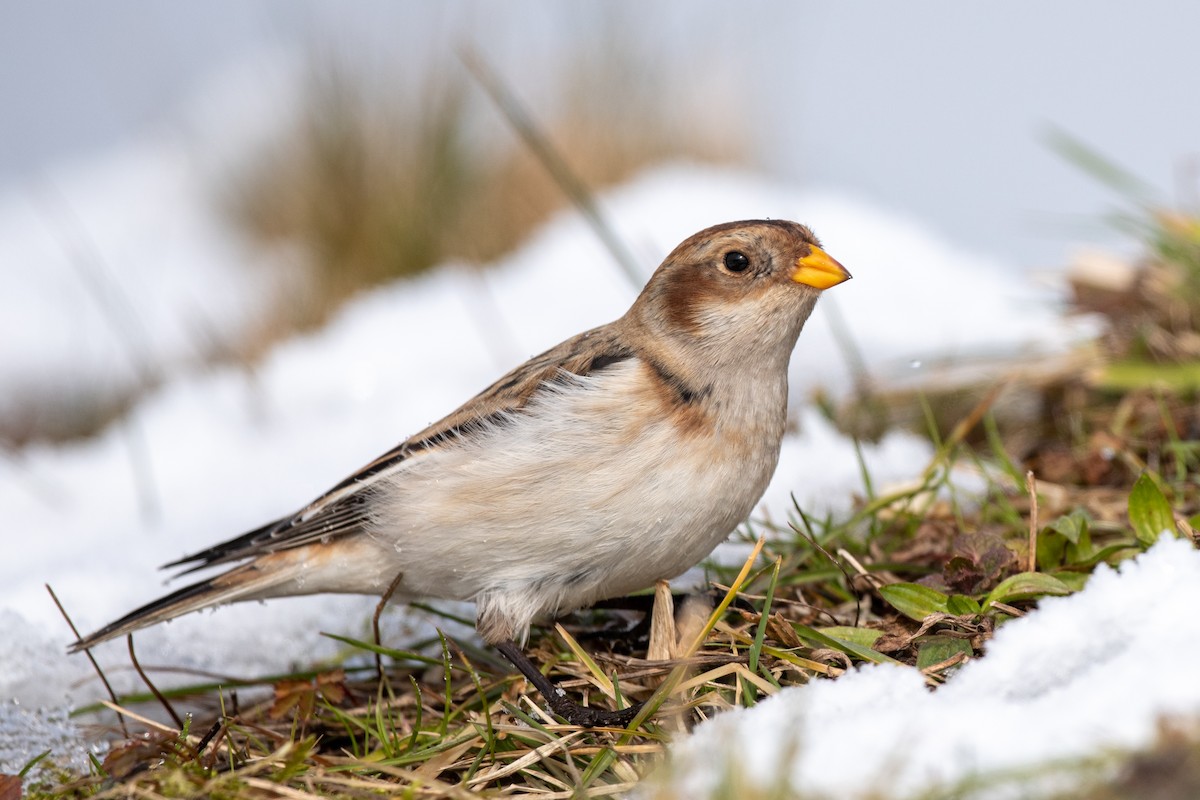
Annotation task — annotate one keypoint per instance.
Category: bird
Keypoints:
(620, 457)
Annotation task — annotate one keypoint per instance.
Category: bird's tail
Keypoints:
(249, 582)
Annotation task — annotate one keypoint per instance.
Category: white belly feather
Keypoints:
(621, 499)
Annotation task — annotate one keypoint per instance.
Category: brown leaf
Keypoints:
(980, 561)
(962, 574)
(298, 696)
(831, 657)
(778, 629)
(10, 787)
(782, 631)
(929, 545)
(301, 696)
(332, 686)
(890, 643)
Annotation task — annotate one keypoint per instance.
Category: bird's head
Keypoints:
(739, 291)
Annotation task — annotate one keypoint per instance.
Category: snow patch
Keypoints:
(1081, 674)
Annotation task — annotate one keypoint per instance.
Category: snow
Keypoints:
(228, 449)
(119, 269)
(116, 273)
(1094, 671)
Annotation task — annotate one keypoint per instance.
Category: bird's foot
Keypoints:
(586, 717)
(556, 698)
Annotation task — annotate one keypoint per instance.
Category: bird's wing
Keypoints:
(343, 509)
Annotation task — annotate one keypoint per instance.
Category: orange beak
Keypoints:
(819, 270)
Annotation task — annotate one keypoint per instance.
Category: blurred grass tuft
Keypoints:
(373, 182)
(1152, 310)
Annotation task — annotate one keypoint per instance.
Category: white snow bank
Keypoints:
(117, 275)
(119, 267)
(1082, 674)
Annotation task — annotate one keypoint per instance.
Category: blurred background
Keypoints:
(218, 222)
(308, 150)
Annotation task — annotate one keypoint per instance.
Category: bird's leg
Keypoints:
(572, 712)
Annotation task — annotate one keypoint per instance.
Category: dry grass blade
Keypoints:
(720, 672)
(1031, 486)
(446, 759)
(727, 600)
(532, 757)
(279, 789)
(112, 696)
(602, 681)
(138, 718)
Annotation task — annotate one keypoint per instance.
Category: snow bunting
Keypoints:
(622, 456)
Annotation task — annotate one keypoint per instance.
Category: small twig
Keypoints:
(874, 580)
(957, 658)
(574, 187)
(383, 601)
(1186, 527)
(96, 666)
(1007, 609)
(149, 723)
(208, 737)
(150, 685)
(1031, 485)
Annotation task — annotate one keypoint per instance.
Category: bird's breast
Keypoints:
(602, 482)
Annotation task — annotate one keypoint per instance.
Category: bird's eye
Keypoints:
(736, 262)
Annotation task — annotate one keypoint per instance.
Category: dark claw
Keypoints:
(573, 713)
(586, 717)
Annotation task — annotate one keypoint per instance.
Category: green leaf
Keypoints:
(936, 649)
(1072, 525)
(962, 605)
(914, 600)
(1110, 552)
(1083, 550)
(1128, 375)
(860, 652)
(865, 637)
(33, 762)
(1073, 580)
(814, 636)
(1149, 512)
(1051, 549)
(1066, 540)
(1026, 586)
